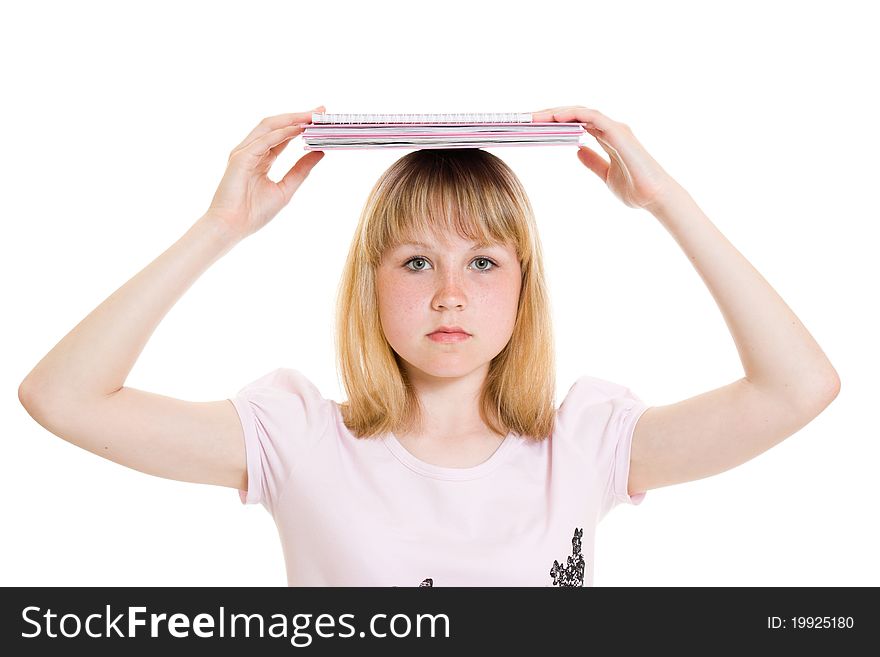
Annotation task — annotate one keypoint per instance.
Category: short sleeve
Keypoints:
(600, 417)
(283, 415)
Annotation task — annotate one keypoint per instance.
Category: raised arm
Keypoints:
(788, 379)
(77, 390)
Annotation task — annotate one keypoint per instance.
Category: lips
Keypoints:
(450, 329)
(447, 337)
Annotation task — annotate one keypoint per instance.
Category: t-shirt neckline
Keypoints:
(442, 472)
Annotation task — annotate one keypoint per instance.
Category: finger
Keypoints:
(547, 109)
(298, 172)
(546, 115)
(275, 151)
(577, 114)
(594, 162)
(615, 156)
(260, 146)
(274, 122)
(589, 117)
(555, 109)
(624, 145)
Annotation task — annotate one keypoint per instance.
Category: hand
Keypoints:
(247, 199)
(632, 175)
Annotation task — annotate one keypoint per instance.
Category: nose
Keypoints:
(451, 293)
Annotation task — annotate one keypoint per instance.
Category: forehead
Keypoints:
(446, 241)
(430, 245)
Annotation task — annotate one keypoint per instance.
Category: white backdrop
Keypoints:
(116, 129)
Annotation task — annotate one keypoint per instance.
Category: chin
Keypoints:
(453, 367)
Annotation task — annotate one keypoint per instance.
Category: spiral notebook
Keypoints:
(446, 130)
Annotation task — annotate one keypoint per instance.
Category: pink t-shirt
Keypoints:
(367, 512)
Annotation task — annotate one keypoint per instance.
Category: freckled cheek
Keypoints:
(406, 305)
(510, 296)
(401, 310)
(502, 310)
(406, 298)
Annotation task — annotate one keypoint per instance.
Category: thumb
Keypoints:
(298, 172)
(593, 161)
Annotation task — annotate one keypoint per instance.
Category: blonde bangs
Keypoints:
(437, 193)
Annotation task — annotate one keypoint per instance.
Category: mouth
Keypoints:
(449, 336)
(449, 329)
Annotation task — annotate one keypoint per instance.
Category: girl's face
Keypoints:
(423, 287)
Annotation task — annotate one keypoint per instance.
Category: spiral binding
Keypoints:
(465, 117)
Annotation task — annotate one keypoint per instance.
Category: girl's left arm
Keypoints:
(778, 354)
(788, 379)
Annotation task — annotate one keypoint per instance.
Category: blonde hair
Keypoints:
(428, 192)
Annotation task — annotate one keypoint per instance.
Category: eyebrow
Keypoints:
(428, 246)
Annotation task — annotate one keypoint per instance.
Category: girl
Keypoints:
(449, 464)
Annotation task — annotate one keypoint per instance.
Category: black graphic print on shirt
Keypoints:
(573, 573)
(570, 575)
(428, 581)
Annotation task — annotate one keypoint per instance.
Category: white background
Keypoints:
(116, 128)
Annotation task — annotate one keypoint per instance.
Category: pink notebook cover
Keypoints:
(363, 131)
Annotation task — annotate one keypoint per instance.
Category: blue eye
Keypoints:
(483, 258)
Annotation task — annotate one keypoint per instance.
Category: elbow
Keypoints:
(825, 392)
(33, 398)
(833, 386)
(830, 386)
(27, 397)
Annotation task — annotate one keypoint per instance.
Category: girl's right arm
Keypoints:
(77, 390)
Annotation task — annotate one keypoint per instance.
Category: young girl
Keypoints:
(449, 464)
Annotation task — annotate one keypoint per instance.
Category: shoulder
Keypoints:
(284, 384)
(286, 397)
(283, 379)
(591, 390)
(596, 409)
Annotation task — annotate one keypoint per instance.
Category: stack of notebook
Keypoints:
(470, 130)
